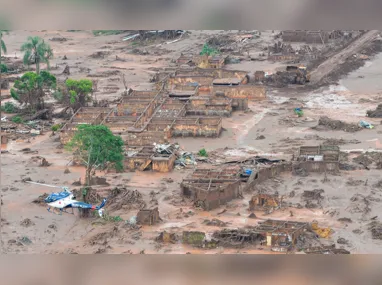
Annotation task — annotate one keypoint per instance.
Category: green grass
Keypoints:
(9, 107)
(203, 152)
(17, 120)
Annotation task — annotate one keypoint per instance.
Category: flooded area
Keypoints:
(319, 166)
(367, 79)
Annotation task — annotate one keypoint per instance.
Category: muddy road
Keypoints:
(325, 68)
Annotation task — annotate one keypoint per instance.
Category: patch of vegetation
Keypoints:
(17, 120)
(207, 50)
(56, 127)
(107, 32)
(9, 107)
(203, 152)
(3, 68)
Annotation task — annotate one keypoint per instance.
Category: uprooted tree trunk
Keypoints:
(44, 114)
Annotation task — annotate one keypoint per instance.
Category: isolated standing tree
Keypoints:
(97, 148)
(36, 51)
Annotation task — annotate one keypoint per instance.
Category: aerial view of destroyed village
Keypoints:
(191, 142)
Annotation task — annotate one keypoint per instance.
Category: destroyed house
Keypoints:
(160, 158)
(133, 112)
(280, 235)
(186, 60)
(323, 158)
(210, 188)
(264, 172)
(311, 37)
(197, 127)
(209, 106)
(148, 216)
(205, 77)
(215, 62)
(264, 201)
(326, 250)
(183, 92)
(84, 115)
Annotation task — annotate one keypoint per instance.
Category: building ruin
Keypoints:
(323, 158)
(210, 188)
(280, 235)
(148, 216)
(264, 202)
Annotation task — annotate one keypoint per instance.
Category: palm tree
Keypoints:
(3, 48)
(36, 51)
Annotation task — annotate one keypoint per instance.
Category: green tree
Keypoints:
(79, 91)
(207, 50)
(3, 48)
(3, 68)
(36, 51)
(31, 88)
(97, 148)
(74, 93)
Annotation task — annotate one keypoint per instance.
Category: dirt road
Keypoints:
(330, 64)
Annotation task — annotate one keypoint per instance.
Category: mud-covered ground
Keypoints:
(269, 129)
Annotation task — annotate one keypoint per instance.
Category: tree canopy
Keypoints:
(207, 50)
(74, 93)
(30, 89)
(3, 47)
(97, 148)
(36, 51)
(79, 90)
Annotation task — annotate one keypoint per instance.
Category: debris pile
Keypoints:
(237, 237)
(313, 195)
(310, 196)
(368, 158)
(376, 230)
(102, 238)
(41, 199)
(377, 113)
(122, 198)
(27, 223)
(359, 204)
(166, 237)
(215, 223)
(184, 159)
(340, 141)
(198, 239)
(328, 123)
(280, 79)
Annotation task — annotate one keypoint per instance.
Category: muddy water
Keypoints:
(367, 79)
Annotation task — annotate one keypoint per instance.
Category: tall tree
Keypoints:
(97, 148)
(36, 51)
(3, 48)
